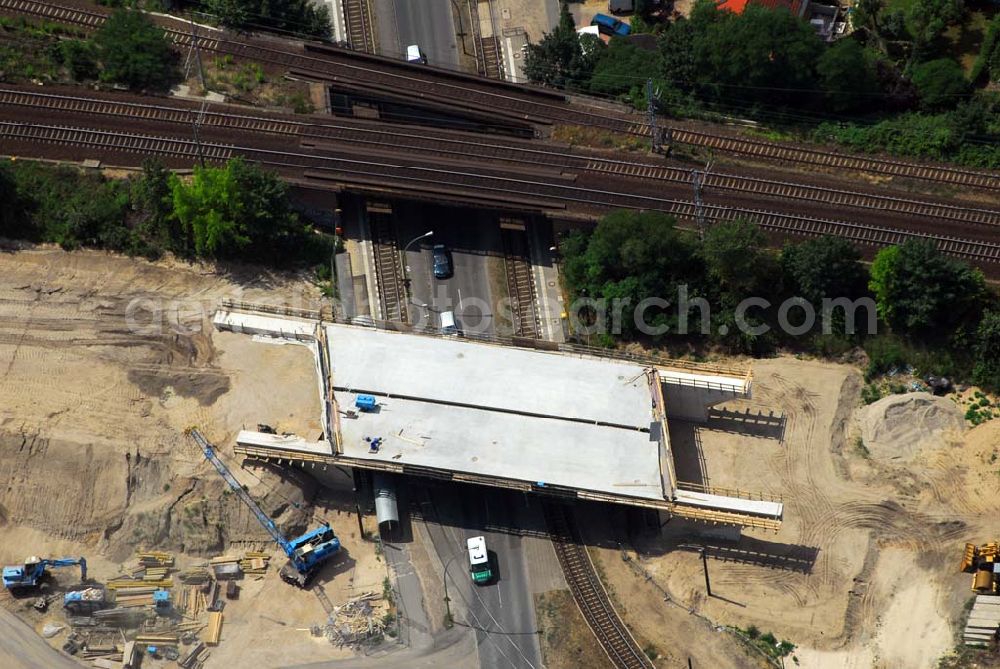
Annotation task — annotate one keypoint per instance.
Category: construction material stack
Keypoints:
(984, 619)
(359, 621)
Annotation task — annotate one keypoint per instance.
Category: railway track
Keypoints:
(798, 154)
(530, 105)
(520, 280)
(388, 273)
(589, 593)
(368, 72)
(481, 187)
(488, 52)
(360, 25)
(533, 154)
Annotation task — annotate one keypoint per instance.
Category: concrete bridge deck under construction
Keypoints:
(535, 420)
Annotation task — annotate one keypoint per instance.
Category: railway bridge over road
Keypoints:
(552, 421)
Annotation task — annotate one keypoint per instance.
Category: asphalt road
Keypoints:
(427, 23)
(471, 241)
(21, 648)
(502, 612)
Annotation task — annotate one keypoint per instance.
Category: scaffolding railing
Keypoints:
(728, 492)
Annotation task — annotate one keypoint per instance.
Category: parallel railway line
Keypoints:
(360, 25)
(488, 51)
(520, 282)
(482, 186)
(388, 274)
(531, 105)
(336, 64)
(797, 154)
(589, 593)
(464, 148)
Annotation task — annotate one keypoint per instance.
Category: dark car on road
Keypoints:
(442, 262)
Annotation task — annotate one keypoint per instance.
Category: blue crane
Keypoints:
(31, 573)
(305, 553)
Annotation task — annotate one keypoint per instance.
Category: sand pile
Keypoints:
(899, 426)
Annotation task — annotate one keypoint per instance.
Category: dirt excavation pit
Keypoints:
(900, 426)
(863, 572)
(104, 363)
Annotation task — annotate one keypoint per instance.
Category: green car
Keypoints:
(479, 561)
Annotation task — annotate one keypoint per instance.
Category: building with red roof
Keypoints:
(822, 17)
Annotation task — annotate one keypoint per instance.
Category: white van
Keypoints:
(448, 325)
(479, 560)
(415, 55)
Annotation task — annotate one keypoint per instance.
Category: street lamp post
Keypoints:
(703, 553)
(447, 599)
(406, 248)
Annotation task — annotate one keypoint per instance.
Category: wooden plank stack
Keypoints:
(158, 639)
(192, 601)
(195, 658)
(214, 630)
(139, 583)
(155, 559)
(130, 601)
(254, 562)
(194, 576)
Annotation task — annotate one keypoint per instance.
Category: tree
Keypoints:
(295, 16)
(987, 368)
(941, 83)
(562, 58)
(736, 258)
(920, 291)
(155, 230)
(826, 267)
(14, 222)
(208, 209)
(623, 68)
(926, 20)
(761, 54)
(867, 17)
(135, 52)
(632, 256)
(78, 57)
(847, 74)
(235, 210)
(677, 55)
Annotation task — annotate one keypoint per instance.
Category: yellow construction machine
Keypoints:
(981, 562)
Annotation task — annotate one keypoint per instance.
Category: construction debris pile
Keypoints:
(984, 619)
(156, 610)
(361, 620)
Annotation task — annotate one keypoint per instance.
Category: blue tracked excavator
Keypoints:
(305, 553)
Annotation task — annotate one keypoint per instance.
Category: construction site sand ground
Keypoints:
(864, 571)
(94, 461)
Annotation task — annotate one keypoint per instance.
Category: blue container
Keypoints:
(365, 402)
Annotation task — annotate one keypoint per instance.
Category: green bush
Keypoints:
(917, 135)
(239, 209)
(986, 371)
(295, 16)
(988, 61)
(941, 83)
(870, 393)
(79, 58)
(885, 353)
(134, 51)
